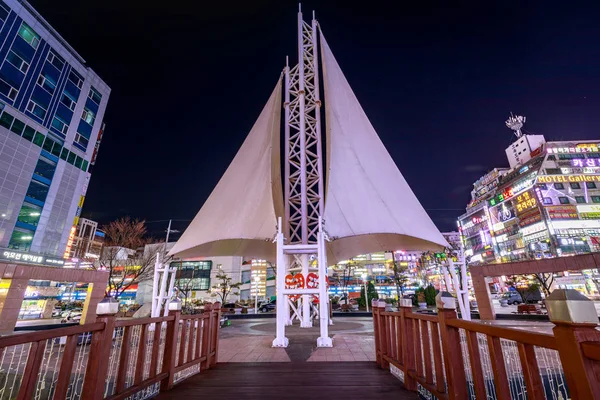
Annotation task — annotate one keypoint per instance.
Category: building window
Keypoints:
(14, 59)
(95, 96)
(60, 125)
(553, 171)
(76, 79)
(37, 190)
(88, 116)
(580, 199)
(18, 127)
(575, 185)
(590, 185)
(595, 199)
(29, 35)
(45, 168)
(47, 83)
(559, 186)
(21, 239)
(55, 60)
(30, 214)
(68, 101)
(36, 109)
(547, 200)
(564, 200)
(82, 140)
(543, 186)
(7, 90)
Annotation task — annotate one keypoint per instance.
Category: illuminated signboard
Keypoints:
(525, 202)
(510, 191)
(589, 211)
(590, 162)
(580, 148)
(567, 178)
(19, 256)
(562, 212)
(501, 214)
(70, 242)
(530, 218)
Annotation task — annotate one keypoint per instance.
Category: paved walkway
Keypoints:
(291, 381)
(250, 341)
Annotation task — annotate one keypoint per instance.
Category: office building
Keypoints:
(51, 121)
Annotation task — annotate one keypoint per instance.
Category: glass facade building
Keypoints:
(51, 111)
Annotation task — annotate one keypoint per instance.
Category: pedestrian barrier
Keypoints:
(449, 358)
(109, 359)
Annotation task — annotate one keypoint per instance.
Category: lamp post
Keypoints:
(364, 276)
(256, 280)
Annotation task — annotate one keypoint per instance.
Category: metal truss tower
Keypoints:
(302, 233)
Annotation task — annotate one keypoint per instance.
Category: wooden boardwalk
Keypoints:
(289, 381)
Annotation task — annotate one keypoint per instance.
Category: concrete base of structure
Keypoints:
(280, 342)
(324, 342)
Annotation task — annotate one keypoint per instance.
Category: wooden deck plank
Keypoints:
(301, 380)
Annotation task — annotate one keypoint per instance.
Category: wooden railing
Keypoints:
(456, 359)
(109, 359)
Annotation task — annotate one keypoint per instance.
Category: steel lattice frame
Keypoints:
(303, 166)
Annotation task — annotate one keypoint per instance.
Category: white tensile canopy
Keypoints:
(239, 217)
(369, 207)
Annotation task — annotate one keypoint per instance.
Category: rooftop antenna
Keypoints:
(515, 122)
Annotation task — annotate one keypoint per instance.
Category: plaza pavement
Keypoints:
(250, 340)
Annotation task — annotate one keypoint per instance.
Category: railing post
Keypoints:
(405, 333)
(100, 349)
(206, 337)
(453, 359)
(576, 320)
(375, 314)
(383, 333)
(170, 350)
(216, 324)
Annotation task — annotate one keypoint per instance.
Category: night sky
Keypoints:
(437, 81)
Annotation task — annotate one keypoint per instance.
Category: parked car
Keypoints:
(513, 297)
(270, 306)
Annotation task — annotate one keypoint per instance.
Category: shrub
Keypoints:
(430, 294)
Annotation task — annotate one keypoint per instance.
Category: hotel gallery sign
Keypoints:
(567, 178)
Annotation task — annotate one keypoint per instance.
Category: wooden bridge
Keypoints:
(438, 356)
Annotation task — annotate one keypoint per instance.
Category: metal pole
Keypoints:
(280, 339)
(366, 294)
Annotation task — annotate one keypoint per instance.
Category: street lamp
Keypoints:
(364, 276)
(256, 280)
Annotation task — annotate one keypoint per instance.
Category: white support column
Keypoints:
(280, 339)
(324, 340)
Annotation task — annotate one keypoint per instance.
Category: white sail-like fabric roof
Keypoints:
(369, 207)
(240, 216)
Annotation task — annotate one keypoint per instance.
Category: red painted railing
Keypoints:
(456, 359)
(109, 359)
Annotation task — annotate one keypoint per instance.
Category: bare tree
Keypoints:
(399, 277)
(123, 255)
(546, 280)
(224, 288)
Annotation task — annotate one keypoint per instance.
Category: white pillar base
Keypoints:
(306, 324)
(280, 342)
(324, 342)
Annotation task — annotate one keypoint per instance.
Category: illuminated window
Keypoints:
(591, 185)
(559, 186)
(21, 239)
(88, 116)
(564, 200)
(575, 185)
(580, 199)
(596, 199)
(30, 214)
(547, 200)
(29, 35)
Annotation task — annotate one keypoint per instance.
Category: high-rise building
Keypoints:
(51, 110)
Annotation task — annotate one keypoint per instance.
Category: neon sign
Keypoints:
(510, 191)
(590, 162)
(568, 178)
(580, 148)
(525, 202)
(70, 242)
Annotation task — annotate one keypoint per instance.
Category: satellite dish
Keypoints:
(516, 122)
